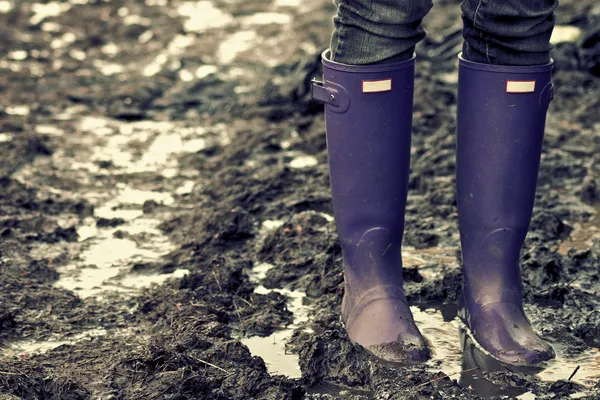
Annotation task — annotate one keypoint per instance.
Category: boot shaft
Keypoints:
(369, 120)
(500, 126)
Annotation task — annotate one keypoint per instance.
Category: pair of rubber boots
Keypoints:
(501, 119)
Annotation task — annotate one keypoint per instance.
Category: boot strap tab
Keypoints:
(335, 96)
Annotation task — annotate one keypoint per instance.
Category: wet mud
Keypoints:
(165, 215)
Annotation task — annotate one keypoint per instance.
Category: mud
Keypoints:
(166, 220)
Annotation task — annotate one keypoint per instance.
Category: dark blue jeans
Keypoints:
(504, 32)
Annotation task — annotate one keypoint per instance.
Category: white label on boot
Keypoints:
(377, 86)
(520, 86)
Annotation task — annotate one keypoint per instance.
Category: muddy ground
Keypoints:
(165, 217)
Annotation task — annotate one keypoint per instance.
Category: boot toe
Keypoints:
(539, 356)
(524, 356)
(506, 334)
(386, 329)
(544, 352)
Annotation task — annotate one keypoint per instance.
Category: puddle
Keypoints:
(205, 70)
(174, 49)
(49, 130)
(112, 251)
(437, 323)
(136, 196)
(303, 162)
(51, 27)
(43, 11)
(27, 348)
(105, 255)
(526, 396)
(159, 141)
(442, 336)
(63, 41)
(560, 369)
(146, 37)
(17, 110)
(338, 391)
(237, 43)
(266, 18)
(186, 76)
(448, 357)
(108, 68)
(186, 188)
(203, 16)
(272, 348)
(441, 329)
(17, 55)
(24, 349)
(269, 225)
(104, 264)
(142, 281)
(286, 3)
(578, 395)
(136, 20)
(105, 258)
(110, 49)
(78, 55)
(563, 367)
(5, 6)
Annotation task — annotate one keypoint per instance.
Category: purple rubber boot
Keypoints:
(368, 121)
(501, 118)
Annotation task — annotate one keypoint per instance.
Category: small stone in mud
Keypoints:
(149, 206)
(109, 222)
(589, 330)
(120, 234)
(564, 388)
(411, 274)
(7, 320)
(105, 164)
(590, 192)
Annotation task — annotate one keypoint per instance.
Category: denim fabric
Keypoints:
(371, 31)
(503, 32)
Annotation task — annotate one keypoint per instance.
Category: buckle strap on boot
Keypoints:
(334, 95)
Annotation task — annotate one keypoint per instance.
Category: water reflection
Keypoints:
(478, 368)
(476, 365)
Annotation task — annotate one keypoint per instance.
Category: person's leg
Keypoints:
(373, 31)
(368, 118)
(504, 92)
(508, 32)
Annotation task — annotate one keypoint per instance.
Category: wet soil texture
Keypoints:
(165, 216)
